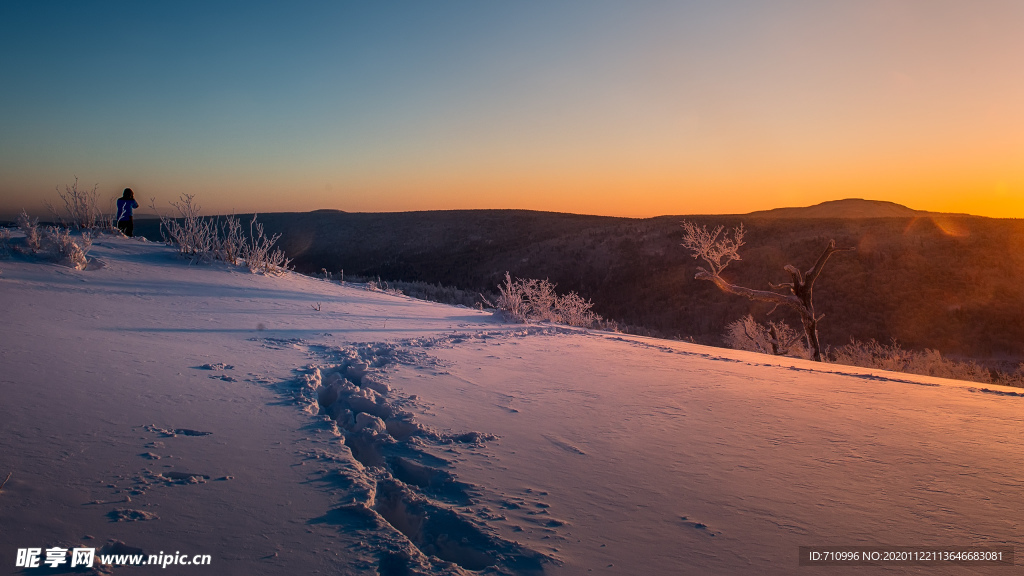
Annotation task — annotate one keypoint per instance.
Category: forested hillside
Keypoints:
(952, 283)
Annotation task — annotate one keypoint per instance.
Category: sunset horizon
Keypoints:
(590, 108)
(56, 211)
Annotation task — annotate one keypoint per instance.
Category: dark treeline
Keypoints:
(951, 283)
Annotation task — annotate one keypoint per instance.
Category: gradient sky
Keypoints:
(633, 108)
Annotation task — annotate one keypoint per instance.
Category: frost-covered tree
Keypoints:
(717, 250)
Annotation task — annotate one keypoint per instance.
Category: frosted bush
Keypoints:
(1015, 379)
(575, 311)
(64, 249)
(201, 239)
(892, 357)
(195, 236)
(777, 338)
(377, 285)
(532, 300)
(257, 253)
(747, 334)
(230, 242)
(510, 301)
(540, 299)
(30, 226)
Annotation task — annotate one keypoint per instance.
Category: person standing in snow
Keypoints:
(125, 204)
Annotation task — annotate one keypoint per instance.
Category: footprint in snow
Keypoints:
(217, 366)
(185, 477)
(170, 433)
(130, 515)
(697, 526)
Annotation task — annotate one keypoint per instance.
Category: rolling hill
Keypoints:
(848, 208)
(947, 282)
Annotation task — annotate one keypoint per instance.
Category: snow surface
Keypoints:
(206, 410)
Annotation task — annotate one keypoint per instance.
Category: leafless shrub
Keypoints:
(377, 285)
(52, 243)
(601, 323)
(259, 252)
(194, 235)
(575, 311)
(81, 207)
(532, 300)
(540, 298)
(201, 238)
(30, 226)
(892, 357)
(511, 301)
(230, 242)
(776, 337)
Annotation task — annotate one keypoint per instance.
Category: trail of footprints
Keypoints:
(392, 483)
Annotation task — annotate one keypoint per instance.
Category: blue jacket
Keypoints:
(124, 209)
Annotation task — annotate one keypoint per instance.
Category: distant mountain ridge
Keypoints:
(847, 208)
(930, 280)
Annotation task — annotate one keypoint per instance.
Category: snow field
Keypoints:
(207, 410)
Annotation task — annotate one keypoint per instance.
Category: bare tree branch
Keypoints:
(814, 271)
(759, 295)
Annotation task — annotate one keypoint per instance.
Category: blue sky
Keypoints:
(636, 109)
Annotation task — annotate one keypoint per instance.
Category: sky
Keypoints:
(637, 108)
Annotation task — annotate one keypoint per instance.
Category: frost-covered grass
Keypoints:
(438, 293)
(779, 339)
(893, 357)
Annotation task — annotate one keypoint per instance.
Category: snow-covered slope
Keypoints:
(204, 410)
